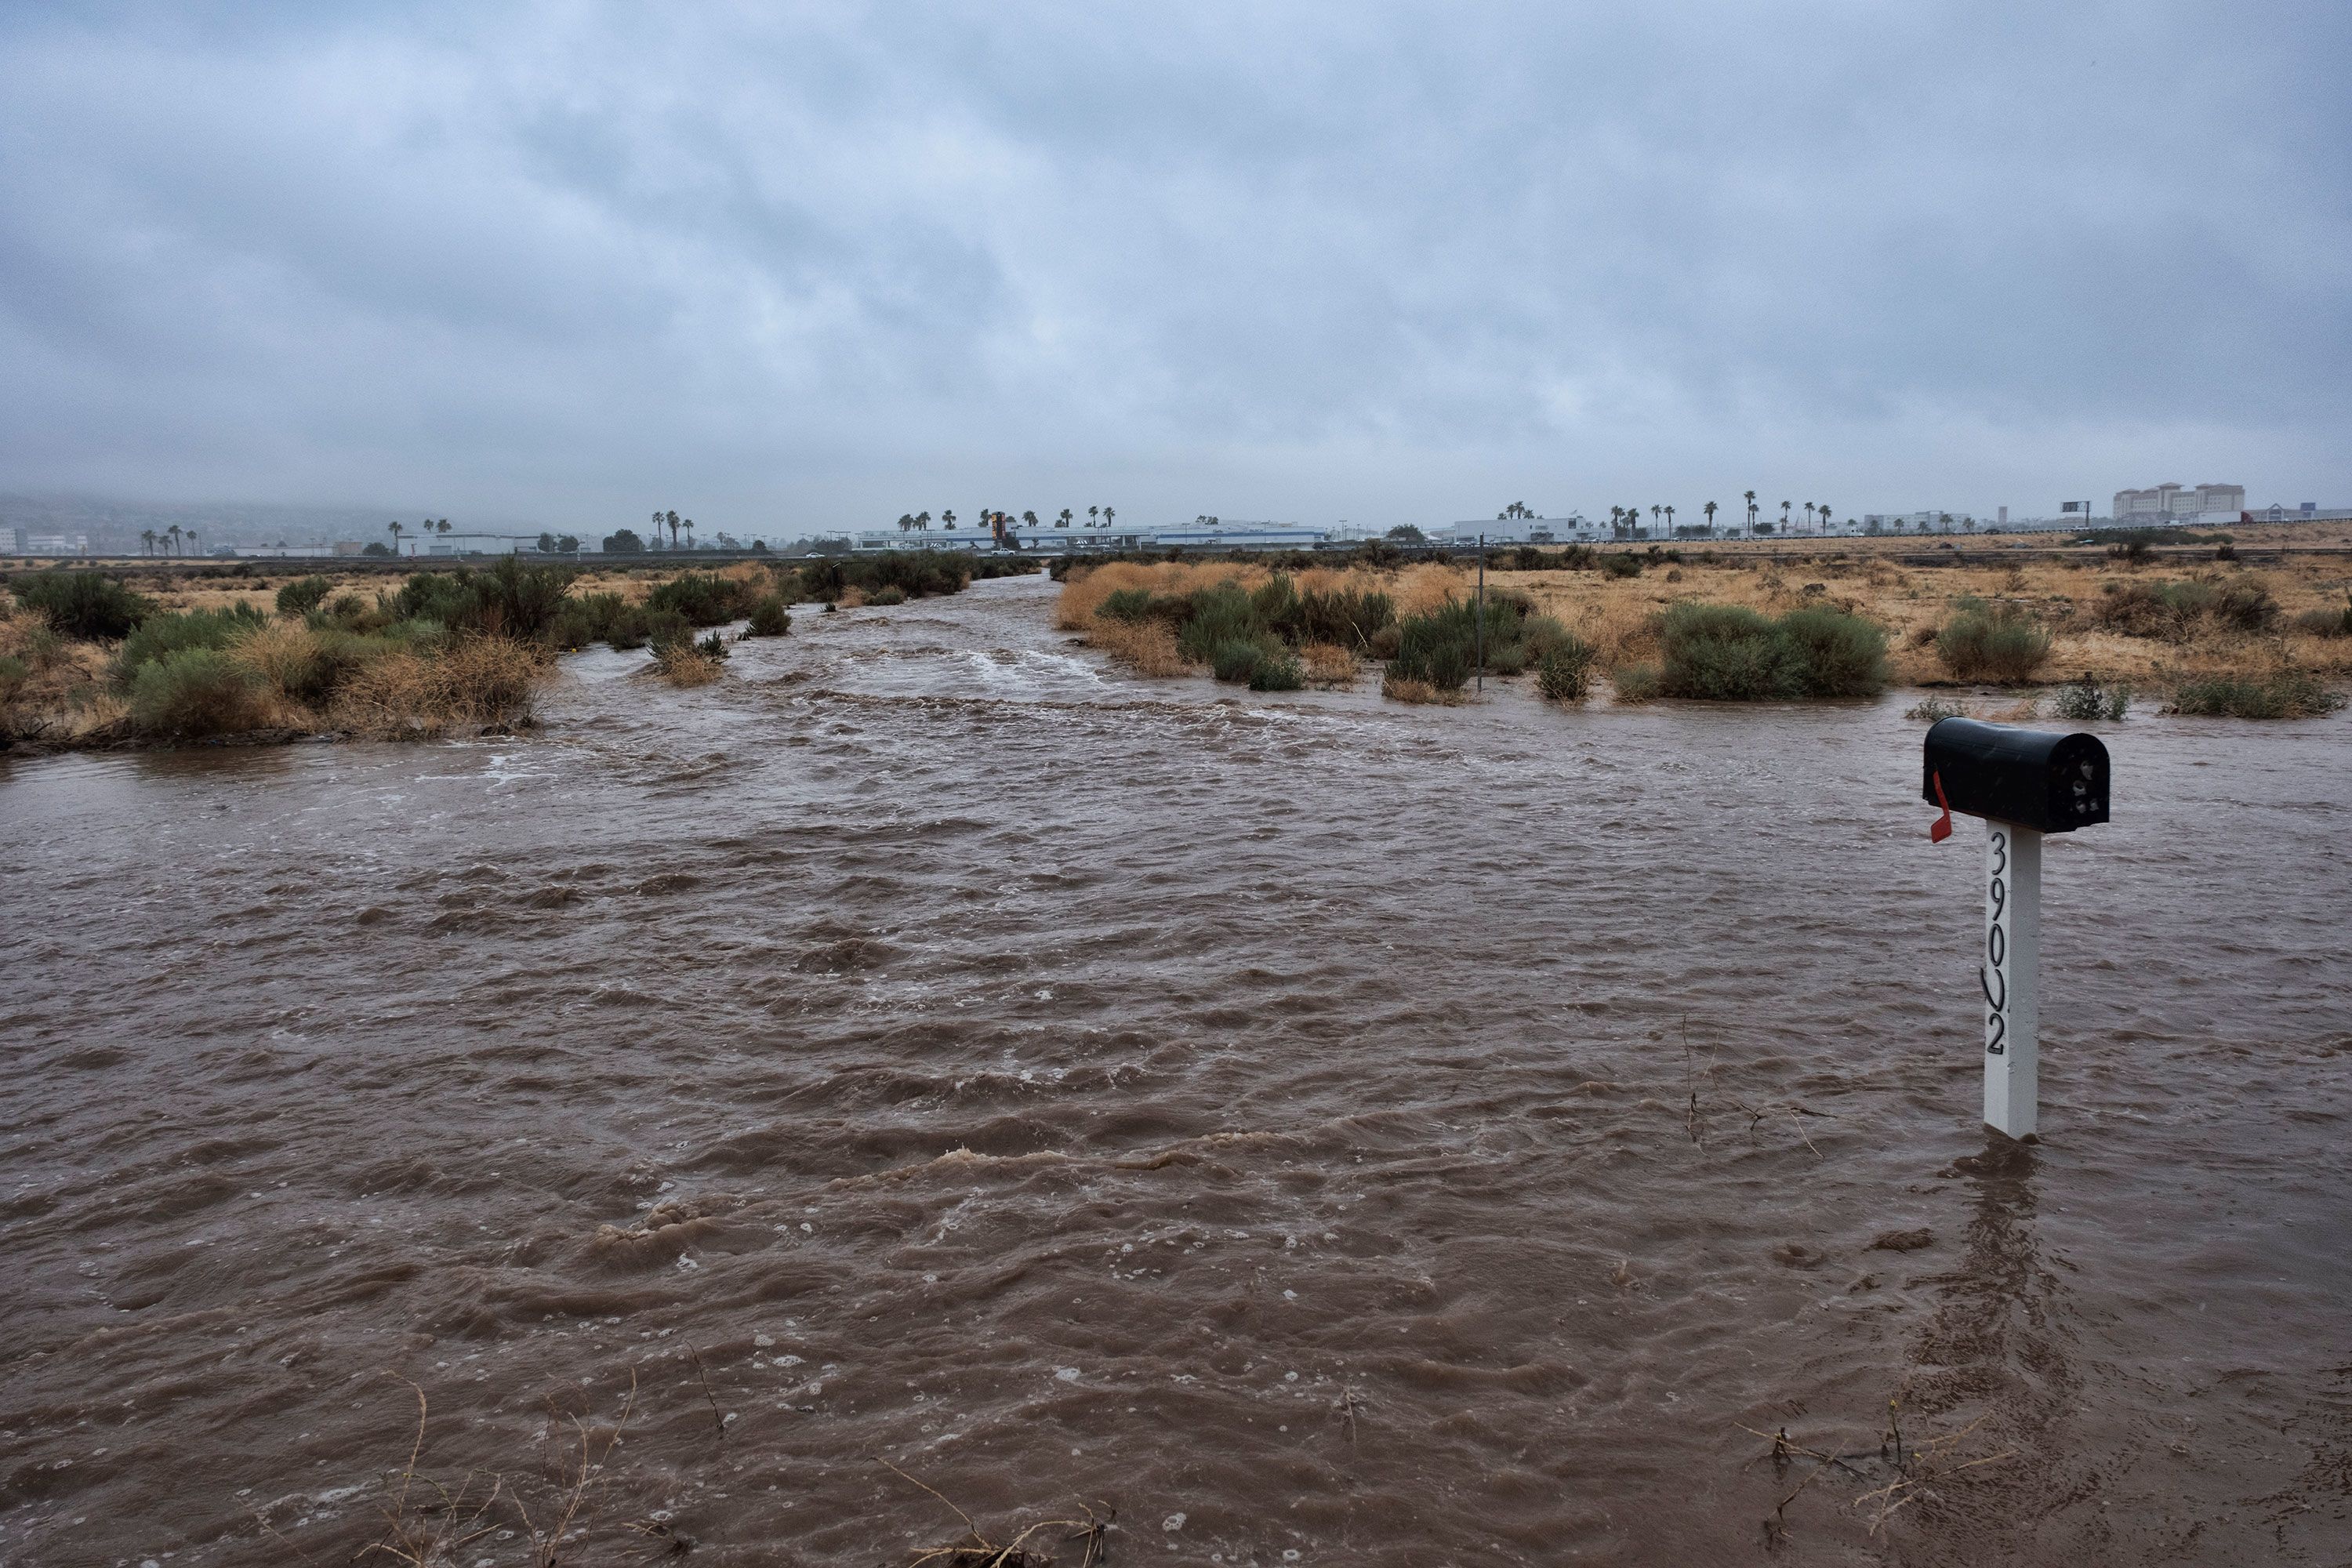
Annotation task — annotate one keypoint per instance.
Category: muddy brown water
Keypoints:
(1270, 1117)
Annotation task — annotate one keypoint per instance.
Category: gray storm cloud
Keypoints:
(1391, 263)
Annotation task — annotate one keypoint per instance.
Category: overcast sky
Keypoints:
(788, 268)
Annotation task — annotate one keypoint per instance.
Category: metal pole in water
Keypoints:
(2010, 977)
(1482, 613)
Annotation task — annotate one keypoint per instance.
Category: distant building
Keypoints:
(16, 538)
(2172, 500)
(1531, 531)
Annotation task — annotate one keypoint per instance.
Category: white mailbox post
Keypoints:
(2011, 976)
(2025, 783)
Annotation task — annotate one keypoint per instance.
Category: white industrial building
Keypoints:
(2179, 503)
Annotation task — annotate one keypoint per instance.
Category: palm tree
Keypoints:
(1062, 521)
(395, 530)
(1946, 519)
(1107, 515)
(1710, 519)
(922, 522)
(1824, 507)
(1809, 514)
(1615, 512)
(193, 545)
(1751, 513)
(690, 533)
(947, 518)
(1670, 521)
(1656, 512)
(1093, 512)
(146, 541)
(905, 520)
(1784, 517)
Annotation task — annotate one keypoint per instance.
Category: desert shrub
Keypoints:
(1928, 709)
(1385, 642)
(191, 693)
(1276, 603)
(2000, 642)
(1564, 669)
(1343, 616)
(2325, 623)
(1726, 653)
(1637, 683)
(1404, 689)
(405, 692)
(2283, 694)
(288, 659)
(1618, 564)
(769, 618)
(1237, 659)
(303, 595)
(686, 664)
(1722, 651)
(1130, 605)
(2086, 698)
(88, 605)
(704, 598)
(160, 635)
(889, 593)
(518, 601)
(1220, 614)
(1434, 648)
(2173, 610)
(666, 628)
(2243, 607)
(13, 673)
(1278, 669)
(1327, 663)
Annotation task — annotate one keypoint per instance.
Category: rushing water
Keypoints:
(1270, 1117)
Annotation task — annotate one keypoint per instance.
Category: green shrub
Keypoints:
(666, 628)
(192, 692)
(1237, 659)
(89, 605)
(1434, 648)
(769, 618)
(299, 598)
(13, 673)
(1278, 670)
(1618, 564)
(712, 647)
(1564, 669)
(512, 600)
(1928, 709)
(889, 593)
(161, 634)
(1998, 643)
(704, 598)
(1834, 653)
(2087, 699)
(1637, 683)
(1723, 652)
(1128, 605)
(1726, 653)
(2287, 694)
(1344, 616)
(1219, 613)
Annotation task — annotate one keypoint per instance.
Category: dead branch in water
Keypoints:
(976, 1550)
(1908, 1471)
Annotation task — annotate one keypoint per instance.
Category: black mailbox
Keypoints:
(2050, 782)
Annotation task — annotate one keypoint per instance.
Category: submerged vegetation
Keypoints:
(87, 660)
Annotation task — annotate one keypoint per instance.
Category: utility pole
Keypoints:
(1482, 614)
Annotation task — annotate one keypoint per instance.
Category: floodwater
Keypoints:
(1319, 1131)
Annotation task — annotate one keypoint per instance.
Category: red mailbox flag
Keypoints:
(1942, 827)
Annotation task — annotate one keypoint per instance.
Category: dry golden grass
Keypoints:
(482, 680)
(1328, 664)
(1422, 691)
(1147, 647)
(685, 665)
